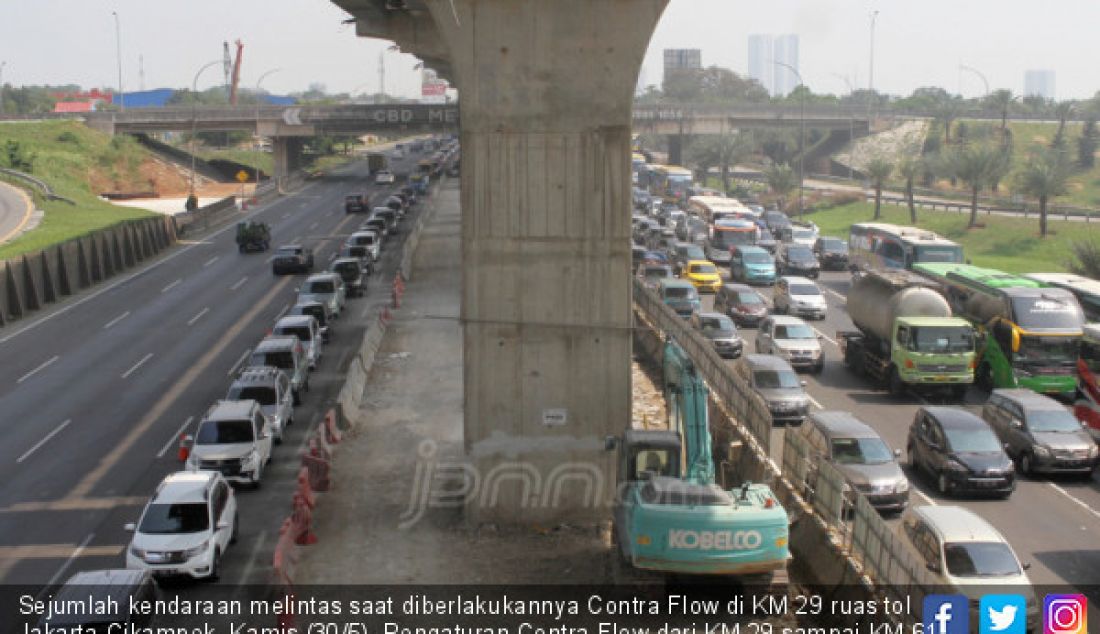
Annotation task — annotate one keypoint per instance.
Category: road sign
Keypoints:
(242, 176)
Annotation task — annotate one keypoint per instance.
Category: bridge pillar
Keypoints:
(546, 90)
(675, 149)
(286, 155)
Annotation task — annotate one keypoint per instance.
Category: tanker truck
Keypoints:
(907, 337)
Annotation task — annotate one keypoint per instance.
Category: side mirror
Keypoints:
(897, 453)
(802, 383)
(820, 337)
(1027, 566)
(1017, 423)
(222, 525)
(129, 528)
(610, 443)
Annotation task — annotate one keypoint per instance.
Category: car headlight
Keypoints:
(250, 459)
(954, 465)
(1093, 451)
(901, 486)
(137, 552)
(196, 551)
(1041, 450)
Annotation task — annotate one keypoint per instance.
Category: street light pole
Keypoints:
(258, 147)
(801, 132)
(871, 73)
(851, 125)
(118, 54)
(195, 116)
(979, 74)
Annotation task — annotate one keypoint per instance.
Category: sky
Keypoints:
(917, 43)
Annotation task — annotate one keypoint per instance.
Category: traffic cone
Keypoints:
(185, 448)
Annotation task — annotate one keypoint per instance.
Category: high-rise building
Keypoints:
(680, 59)
(1039, 82)
(764, 51)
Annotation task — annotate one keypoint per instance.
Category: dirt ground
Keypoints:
(167, 179)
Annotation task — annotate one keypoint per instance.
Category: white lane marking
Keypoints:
(270, 259)
(239, 283)
(282, 311)
(286, 215)
(191, 322)
(116, 320)
(210, 261)
(142, 271)
(836, 294)
(827, 337)
(164, 450)
(68, 562)
(1074, 499)
(170, 286)
(126, 374)
(45, 440)
(332, 257)
(296, 239)
(814, 401)
(41, 367)
(244, 355)
(248, 567)
(313, 226)
(924, 497)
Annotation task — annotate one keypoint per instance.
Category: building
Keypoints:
(681, 59)
(764, 51)
(1039, 82)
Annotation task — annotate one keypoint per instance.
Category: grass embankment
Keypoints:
(242, 156)
(1008, 244)
(73, 158)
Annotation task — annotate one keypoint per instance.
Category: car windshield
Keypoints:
(692, 252)
(315, 310)
(861, 451)
(170, 519)
(1052, 420)
(749, 298)
(347, 269)
(320, 287)
(803, 234)
(941, 339)
(680, 292)
(980, 559)
(287, 251)
(972, 441)
(804, 289)
(757, 258)
(704, 269)
(834, 245)
(716, 325)
(302, 332)
(280, 359)
(775, 379)
(794, 331)
(657, 272)
(801, 254)
(261, 394)
(224, 432)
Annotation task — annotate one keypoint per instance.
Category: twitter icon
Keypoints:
(1003, 614)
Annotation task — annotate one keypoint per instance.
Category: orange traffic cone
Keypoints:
(185, 448)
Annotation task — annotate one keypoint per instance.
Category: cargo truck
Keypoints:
(907, 337)
(376, 161)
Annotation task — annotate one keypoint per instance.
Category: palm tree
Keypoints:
(1002, 100)
(878, 170)
(947, 110)
(1062, 110)
(976, 165)
(910, 168)
(702, 156)
(1044, 176)
(728, 150)
(781, 180)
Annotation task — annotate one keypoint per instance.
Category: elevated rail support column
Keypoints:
(676, 149)
(286, 155)
(546, 301)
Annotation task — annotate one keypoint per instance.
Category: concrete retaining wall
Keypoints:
(33, 281)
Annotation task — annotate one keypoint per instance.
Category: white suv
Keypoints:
(799, 296)
(234, 439)
(185, 528)
(793, 340)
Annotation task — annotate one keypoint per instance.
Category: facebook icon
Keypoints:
(946, 614)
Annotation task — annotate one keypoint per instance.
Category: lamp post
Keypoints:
(195, 116)
(118, 54)
(258, 147)
(801, 131)
(871, 73)
(979, 74)
(851, 125)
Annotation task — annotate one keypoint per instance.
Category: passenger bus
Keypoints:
(714, 208)
(878, 246)
(1087, 291)
(1031, 334)
(670, 182)
(727, 233)
(637, 166)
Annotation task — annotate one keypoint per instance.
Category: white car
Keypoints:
(234, 439)
(270, 387)
(305, 328)
(792, 339)
(186, 527)
(799, 296)
(384, 176)
(327, 288)
(367, 239)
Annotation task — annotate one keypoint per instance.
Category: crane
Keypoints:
(236, 79)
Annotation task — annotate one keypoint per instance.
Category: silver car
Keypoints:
(721, 332)
(792, 339)
(775, 382)
(270, 387)
(327, 288)
(867, 462)
(289, 355)
(1039, 433)
(305, 328)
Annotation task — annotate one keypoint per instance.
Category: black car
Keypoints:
(776, 220)
(959, 452)
(690, 227)
(354, 203)
(832, 253)
(637, 256)
(796, 259)
(351, 270)
(292, 258)
(684, 252)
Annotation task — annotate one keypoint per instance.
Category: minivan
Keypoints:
(857, 451)
(752, 265)
(680, 296)
(305, 328)
(1040, 434)
(774, 380)
(234, 439)
(289, 355)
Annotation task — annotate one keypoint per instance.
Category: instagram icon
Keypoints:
(1065, 614)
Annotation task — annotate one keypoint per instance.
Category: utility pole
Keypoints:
(118, 51)
(801, 133)
(871, 71)
(195, 117)
(851, 125)
(141, 72)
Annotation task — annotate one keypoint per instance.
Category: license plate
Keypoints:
(165, 572)
(940, 378)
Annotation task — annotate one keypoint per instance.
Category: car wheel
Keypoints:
(236, 528)
(894, 383)
(216, 566)
(1027, 467)
(941, 483)
(819, 368)
(910, 459)
(257, 475)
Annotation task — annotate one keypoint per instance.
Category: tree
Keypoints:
(781, 180)
(878, 171)
(702, 156)
(1002, 100)
(1087, 143)
(947, 110)
(909, 168)
(728, 150)
(977, 165)
(711, 85)
(1044, 176)
(1063, 110)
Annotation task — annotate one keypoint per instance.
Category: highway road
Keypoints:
(13, 211)
(1052, 523)
(95, 395)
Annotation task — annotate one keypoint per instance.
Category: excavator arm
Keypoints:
(686, 396)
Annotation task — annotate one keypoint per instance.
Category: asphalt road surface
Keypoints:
(13, 210)
(1052, 522)
(95, 395)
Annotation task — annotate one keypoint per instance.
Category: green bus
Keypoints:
(1029, 334)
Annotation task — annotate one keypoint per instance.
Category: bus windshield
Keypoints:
(939, 253)
(724, 239)
(1046, 313)
(941, 339)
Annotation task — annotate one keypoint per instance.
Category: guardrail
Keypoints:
(203, 217)
(41, 185)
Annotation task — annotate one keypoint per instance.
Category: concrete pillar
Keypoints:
(286, 154)
(676, 149)
(546, 91)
